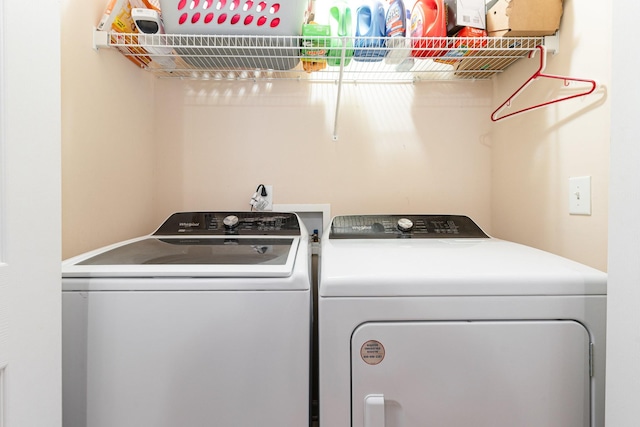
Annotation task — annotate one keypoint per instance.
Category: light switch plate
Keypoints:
(580, 195)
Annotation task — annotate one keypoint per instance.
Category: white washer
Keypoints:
(206, 322)
(424, 320)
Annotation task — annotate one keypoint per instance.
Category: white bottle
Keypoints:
(149, 24)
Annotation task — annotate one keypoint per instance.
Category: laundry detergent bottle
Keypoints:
(396, 21)
(341, 23)
(428, 19)
(370, 32)
(396, 31)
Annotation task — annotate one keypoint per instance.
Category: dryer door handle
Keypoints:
(374, 410)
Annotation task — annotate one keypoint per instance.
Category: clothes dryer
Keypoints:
(424, 320)
(206, 322)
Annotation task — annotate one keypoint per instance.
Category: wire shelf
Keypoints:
(319, 59)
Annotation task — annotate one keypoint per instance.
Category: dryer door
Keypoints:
(471, 373)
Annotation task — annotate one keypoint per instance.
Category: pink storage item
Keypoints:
(279, 22)
(234, 17)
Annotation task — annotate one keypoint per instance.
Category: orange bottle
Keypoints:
(428, 19)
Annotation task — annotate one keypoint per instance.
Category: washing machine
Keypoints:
(205, 322)
(425, 320)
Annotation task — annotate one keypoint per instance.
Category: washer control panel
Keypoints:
(230, 223)
(404, 226)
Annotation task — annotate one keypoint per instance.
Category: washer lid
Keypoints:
(193, 256)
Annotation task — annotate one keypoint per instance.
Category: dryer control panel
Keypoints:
(230, 223)
(404, 226)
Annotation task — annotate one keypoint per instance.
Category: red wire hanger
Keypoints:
(539, 74)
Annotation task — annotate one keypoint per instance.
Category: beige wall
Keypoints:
(108, 149)
(400, 148)
(427, 147)
(534, 154)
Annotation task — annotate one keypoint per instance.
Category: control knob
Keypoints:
(405, 224)
(230, 222)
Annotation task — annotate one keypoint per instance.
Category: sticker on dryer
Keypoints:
(372, 352)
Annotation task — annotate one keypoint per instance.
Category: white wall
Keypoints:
(30, 238)
(623, 369)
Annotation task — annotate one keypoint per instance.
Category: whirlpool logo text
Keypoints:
(189, 224)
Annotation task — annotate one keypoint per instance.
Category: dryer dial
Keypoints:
(405, 224)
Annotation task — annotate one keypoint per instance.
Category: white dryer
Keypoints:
(424, 320)
(206, 322)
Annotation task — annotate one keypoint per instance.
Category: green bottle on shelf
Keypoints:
(340, 21)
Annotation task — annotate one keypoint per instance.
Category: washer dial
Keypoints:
(230, 222)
